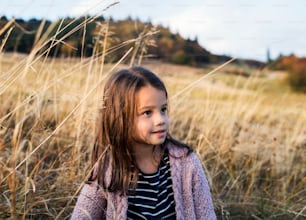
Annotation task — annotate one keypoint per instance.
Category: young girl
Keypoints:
(140, 171)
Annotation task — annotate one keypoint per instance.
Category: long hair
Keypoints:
(114, 140)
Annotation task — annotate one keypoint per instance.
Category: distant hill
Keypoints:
(77, 39)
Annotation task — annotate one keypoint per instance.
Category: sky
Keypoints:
(238, 28)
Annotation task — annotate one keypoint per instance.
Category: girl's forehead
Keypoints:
(150, 95)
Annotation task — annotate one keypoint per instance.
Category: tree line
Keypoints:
(84, 36)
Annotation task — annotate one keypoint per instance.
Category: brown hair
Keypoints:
(113, 144)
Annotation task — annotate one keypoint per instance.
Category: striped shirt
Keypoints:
(153, 197)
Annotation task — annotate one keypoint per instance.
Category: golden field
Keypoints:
(249, 132)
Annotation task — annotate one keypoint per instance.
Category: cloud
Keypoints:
(241, 29)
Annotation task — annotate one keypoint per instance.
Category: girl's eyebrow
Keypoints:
(151, 106)
(166, 104)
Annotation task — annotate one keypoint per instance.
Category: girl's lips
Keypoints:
(160, 132)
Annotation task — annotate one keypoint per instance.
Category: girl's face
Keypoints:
(151, 121)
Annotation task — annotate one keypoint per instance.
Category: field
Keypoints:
(250, 133)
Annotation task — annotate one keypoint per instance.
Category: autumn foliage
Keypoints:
(296, 68)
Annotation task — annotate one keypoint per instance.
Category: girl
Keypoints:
(140, 171)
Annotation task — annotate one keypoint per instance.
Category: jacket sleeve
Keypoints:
(91, 203)
(201, 193)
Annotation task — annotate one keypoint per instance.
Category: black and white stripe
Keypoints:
(153, 197)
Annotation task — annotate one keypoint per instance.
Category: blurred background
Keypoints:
(236, 77)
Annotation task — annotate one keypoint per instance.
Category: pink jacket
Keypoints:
(191, 193)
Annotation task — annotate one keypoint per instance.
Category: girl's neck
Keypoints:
(148, 158)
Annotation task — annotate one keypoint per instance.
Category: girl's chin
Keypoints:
(150, 143)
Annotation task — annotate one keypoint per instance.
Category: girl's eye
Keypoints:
(147, 113)
(164, 110)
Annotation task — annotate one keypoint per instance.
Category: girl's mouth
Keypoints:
(160, 132)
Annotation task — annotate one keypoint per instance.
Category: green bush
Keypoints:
(297, 77)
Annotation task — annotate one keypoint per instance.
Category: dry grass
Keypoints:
(250, 134)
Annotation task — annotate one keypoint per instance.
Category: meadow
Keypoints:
(250, 133)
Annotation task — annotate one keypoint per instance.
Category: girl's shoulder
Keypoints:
(183, 161)
(101, 171)
(177, 151)
(177, 148)
(181, 153)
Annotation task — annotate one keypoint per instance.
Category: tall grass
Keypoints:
(252, 141)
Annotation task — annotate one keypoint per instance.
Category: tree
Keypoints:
(268, 56)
